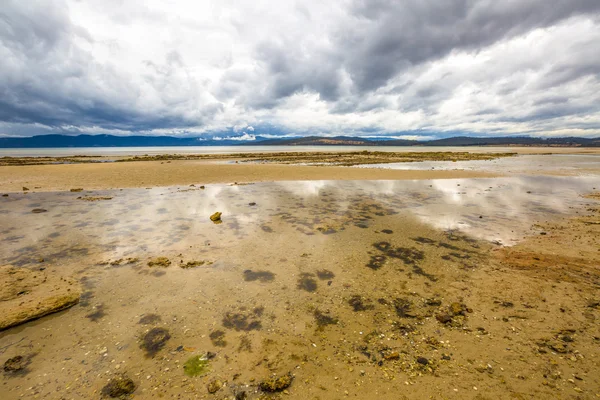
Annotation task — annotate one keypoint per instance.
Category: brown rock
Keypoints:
(214, 386)
(216, 217)
(276, 384)
(27, 295)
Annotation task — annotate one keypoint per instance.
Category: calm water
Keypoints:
(123, 151)
(336, 283)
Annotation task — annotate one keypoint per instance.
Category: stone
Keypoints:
(214, 386)
(216, 217)
(276, 384)
(29, 294)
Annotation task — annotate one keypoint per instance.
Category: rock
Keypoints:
(393, 355)
(457, 309)
(214, 386)
(241, 396)
(119, 386)
(27, 294)
(276, 384)
(422, 360)
(444, 318)
(5, 195)
(159, 262)
(15, 364)
(39, 210)
(216, 217)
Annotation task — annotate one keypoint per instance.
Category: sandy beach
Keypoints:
(317, 282)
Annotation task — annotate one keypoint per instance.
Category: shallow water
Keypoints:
(521, 164)
(294, 279)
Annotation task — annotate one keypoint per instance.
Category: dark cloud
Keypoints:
(365, 66)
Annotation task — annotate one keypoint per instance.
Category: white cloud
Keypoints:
(195, 67)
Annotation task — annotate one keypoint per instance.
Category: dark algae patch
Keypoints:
(218, 338)
(98, 314)
(307, 282)
(262, 276)
(154, 341)
(240, 321)
(359, 304)
(149, 319)
(376, 262)
(403, 308)
(119, 386)
(16, 364)
(323, 319)
(325, 274)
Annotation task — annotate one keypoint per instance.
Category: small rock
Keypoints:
(422, 360)
(276, 384)
(444, 318)
(214, 386)
(216, 217)
(39, 210)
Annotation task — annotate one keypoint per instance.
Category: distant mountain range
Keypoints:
(50, 141)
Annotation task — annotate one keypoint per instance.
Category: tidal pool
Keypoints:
(338, 289)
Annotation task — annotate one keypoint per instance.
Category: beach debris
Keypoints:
(76, 190)
(25, 188)
(119, 386)
(197, 366)
(5, 195)
(39, 210)
(154, 341)
(214, 386)
(276, 384)
(15, 364)
(159, 262)
(216, 217)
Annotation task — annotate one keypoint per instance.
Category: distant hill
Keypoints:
(50, 141)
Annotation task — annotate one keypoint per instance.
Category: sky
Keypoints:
(371, 68)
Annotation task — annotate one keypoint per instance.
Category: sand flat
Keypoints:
(157, 173)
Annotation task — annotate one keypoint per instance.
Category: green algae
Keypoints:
(196, 366)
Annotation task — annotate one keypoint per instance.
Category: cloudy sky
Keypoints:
(402, 68)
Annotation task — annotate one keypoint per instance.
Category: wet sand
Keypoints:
(157, 173)
(471, 288)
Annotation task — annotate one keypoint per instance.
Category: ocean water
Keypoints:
(125, 151)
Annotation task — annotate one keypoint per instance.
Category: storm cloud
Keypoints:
(362, 67)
